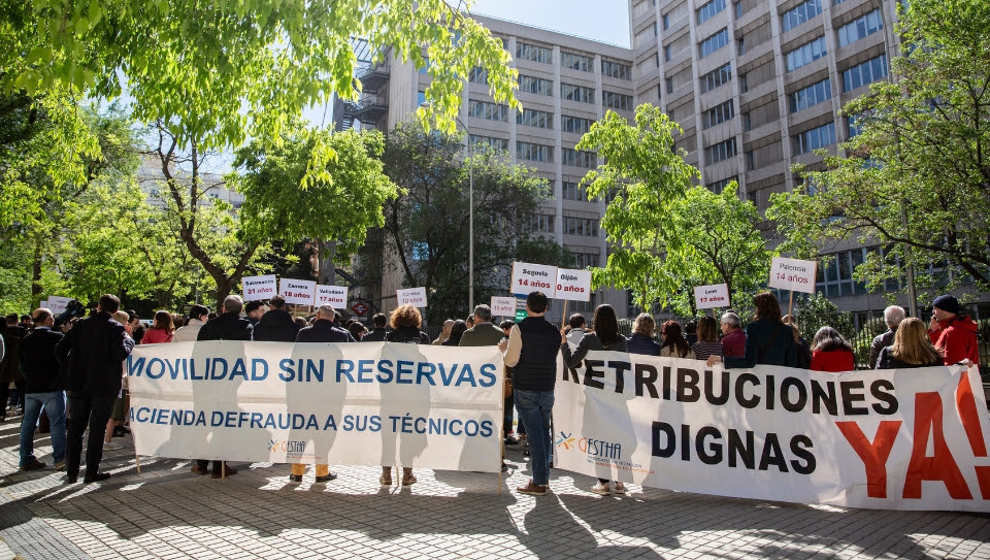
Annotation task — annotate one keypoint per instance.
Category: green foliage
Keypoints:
(666, 235)
(917, 177)
(220, 72)
(427, 226)
(816, 311)
(294, 190)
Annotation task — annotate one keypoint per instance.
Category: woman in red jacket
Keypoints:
(161, 331)
(831, 352)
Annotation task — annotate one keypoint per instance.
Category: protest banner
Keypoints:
(335, 296)
(503, 306)
(528, 278)
(256, 288)
(711, 296)
(353, 404)
(884, 439)
(413, 296)
(298, 292)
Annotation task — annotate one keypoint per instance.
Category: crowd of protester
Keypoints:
(67, 375)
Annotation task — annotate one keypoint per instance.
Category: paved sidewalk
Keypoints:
(168, 513)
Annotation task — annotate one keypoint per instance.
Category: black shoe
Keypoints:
(120, 431)
(33, 465)
(71, 478)
(97, 477)
(505, 468)
(511, 441)
(327, 477)
(295, 478)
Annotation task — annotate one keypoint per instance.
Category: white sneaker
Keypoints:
(601, 489)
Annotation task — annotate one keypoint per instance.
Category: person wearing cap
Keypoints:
(953, 333)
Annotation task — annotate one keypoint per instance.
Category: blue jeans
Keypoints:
(54, 403)
(534, 409)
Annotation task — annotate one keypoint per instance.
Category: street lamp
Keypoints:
(470, 219)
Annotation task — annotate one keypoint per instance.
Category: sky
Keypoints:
(602, 20)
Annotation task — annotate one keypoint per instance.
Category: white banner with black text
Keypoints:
(886, 439)
(355, 404)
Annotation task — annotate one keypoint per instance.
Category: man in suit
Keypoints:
(43, 386)
(92, 352)
(226, 326)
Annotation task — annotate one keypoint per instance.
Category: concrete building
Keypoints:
(757, 86)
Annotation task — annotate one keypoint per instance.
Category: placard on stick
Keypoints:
(527, 277)
(255, 288)
(503, 306)
(793, 274)
(335, 296)
(413, 296)
(573, 284)
(299, 292)
(711, 296)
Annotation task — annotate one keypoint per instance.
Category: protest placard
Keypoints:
(331, 295)
(793, 274)
(711, 296)
(527, 277)
(344, 404)
(573, 284)
(299, 292)
(503, 306)
(58, 304)
(881, 439)
(413, 296)
(255, 288)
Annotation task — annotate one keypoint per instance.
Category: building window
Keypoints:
(860, 28)
(713, 43)
(478, 75)
(718, 114)
(864, 73)
(420, 98)
(534, 152)
(720, 152)
(710, 9)
(574, 124)
(586, 260)
(852, 127)
(718, 186)
(805, 54)
(535, 118)
(581, 226)
(580, 94)
(541, 223)
(527, 51)
(670, 85)
(716, 78)
(666, 53)
(799, 14)
(586, 160)
(815, 138)
(666, 22)
(619, 101)
(485, 142)
(576, 61)
(617, 70)
(811, 95)
(572, 191)
(488, 111)
(538, 86)
(835, 273)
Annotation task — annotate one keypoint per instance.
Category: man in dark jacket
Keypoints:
(43, 386)
(93, 353)
(892, 316)
(226, 326)
(484, 333)
(379, 332)
(276, 325)
(323, 330)
(10, 367)
(531, 352)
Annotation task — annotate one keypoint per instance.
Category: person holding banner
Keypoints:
(911, 348)
(830, 351)
(605, 336)
(531, 351)
(768, 339)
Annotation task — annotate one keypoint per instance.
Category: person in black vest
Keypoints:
(531, 352)
(378, 334)
(276, 325)
(226, 326)
(43, 386)
(92, 353)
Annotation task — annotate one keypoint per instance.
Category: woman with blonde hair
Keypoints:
(641, 341)
(911, 348)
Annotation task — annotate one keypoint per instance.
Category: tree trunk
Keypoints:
(327, 251)
(36, 273)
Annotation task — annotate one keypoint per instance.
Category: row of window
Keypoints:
(535, 118)
(713, 43)
(572, 226)
(715, 79)
(860, 28)
(799, 14)
(488, 111)
(587, 227)
(619, 101)
(587, 160)
(809, 96)
(570, 190)
(717, 114)
(805, 54)
(534, 152)
(586, 260)
(574, 61)
(576, 125)
(814, 138)
(864, 73)
(718, 186)
(708, 10)
(496, 144)
(720, 151)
